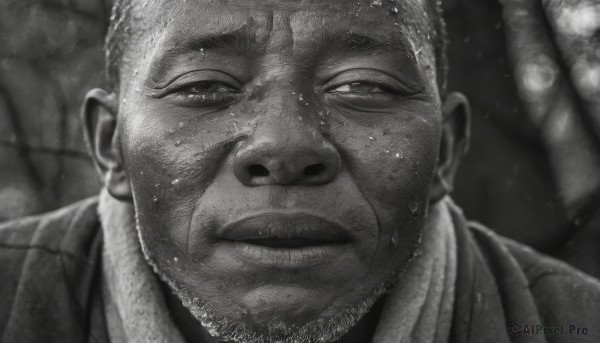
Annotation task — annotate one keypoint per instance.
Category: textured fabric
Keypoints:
(49, 267)
(48, 273)
(419, 309)
(132, 288)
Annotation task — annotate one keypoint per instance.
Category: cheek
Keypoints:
(171, 160)
(393, 165)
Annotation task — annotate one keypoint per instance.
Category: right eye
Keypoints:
(205, 87)
(204, 94)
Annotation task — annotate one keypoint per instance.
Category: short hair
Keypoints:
(120, 27)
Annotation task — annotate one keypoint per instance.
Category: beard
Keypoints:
(319, 329)
(322, 328)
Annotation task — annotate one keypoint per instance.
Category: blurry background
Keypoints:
(531, 69)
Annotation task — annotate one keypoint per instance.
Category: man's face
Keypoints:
(280, 153)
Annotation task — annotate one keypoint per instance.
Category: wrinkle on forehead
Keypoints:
(158, 14)
(279, 24)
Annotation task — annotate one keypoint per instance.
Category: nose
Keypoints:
(286, 157)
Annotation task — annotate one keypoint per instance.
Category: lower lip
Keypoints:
(301, 257)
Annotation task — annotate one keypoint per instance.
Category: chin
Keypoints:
(269, 314)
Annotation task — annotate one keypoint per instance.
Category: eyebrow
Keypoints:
(355, 42)
(238, 40)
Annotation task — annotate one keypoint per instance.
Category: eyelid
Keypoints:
(373, 76)
(197, 76)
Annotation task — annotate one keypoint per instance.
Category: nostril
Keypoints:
(258, 170)
(314, 169)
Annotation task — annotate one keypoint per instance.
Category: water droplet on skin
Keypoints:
(180, 125)
(171, 131)
(174, 182)
(397, 155)
(413, 208)
(394, 240)
(124, 100)
(175, 259)
(372, 139)
(418, 253)
(376, 3)
(155, 199)
(394, 10)
(301, 97)
(177, 143)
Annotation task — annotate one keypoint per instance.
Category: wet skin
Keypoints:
(281, 157)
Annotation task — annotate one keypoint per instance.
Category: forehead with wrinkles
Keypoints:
(410, 24)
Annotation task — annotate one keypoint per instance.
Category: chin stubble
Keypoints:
(319, 330)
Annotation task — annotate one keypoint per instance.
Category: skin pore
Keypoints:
(281, 156)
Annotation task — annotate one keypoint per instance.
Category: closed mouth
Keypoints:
(286, 239)
(289, 243)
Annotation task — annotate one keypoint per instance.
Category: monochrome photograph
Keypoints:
(299, 171)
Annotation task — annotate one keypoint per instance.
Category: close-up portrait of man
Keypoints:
(280, 171)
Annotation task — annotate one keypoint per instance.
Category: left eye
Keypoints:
(358, 87)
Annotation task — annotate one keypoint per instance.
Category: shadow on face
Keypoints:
(281, 157)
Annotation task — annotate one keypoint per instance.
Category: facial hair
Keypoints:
(323, 328)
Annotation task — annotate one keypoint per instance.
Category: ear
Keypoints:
(99, 114)
(456, 114)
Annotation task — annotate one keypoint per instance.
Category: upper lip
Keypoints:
(285, 226)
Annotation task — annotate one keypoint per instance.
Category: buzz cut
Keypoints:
(120, 28)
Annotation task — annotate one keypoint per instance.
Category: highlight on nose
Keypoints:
(266, 162)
